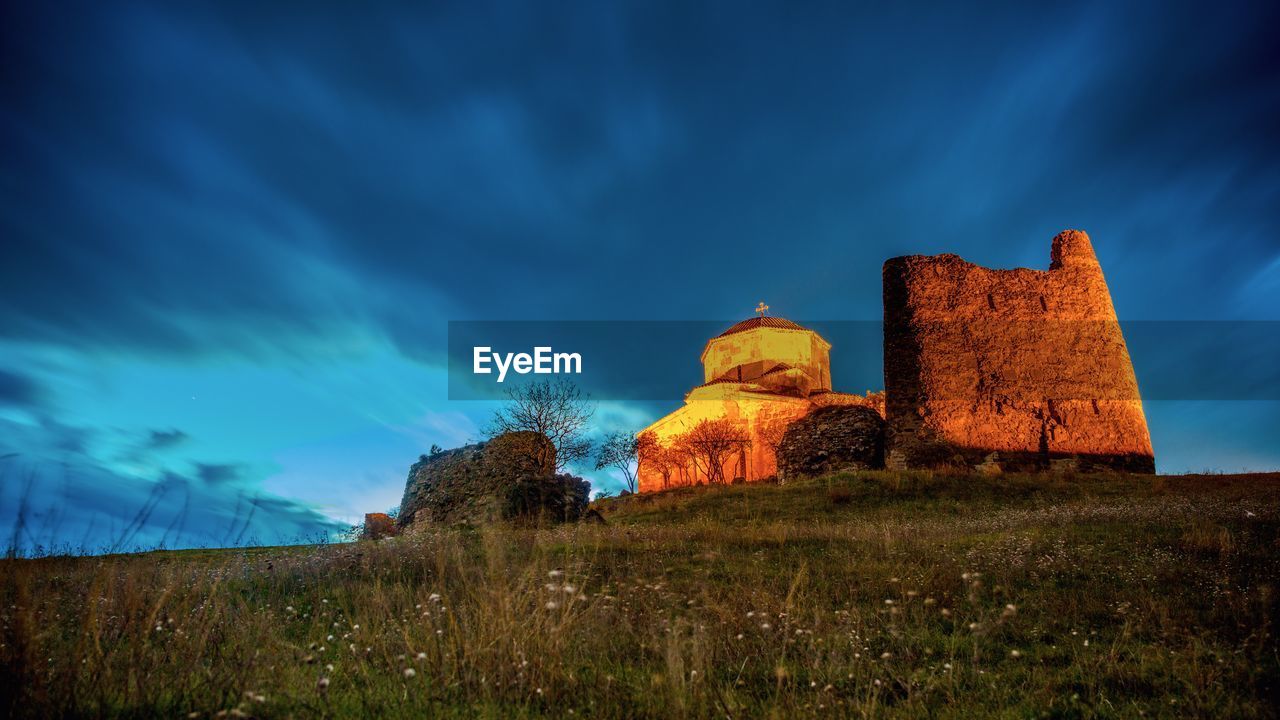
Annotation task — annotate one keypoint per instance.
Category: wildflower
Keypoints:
(946, 612)
(1015, 654)
(886, 655)
(434, 597)
(946, 665)
(569, 589)
(409, 672)
(422, 656)
(553, 574)
(552, 604)
(888, 601)
(766, 626)
(322, 683)
(974, 626)
(329, 667)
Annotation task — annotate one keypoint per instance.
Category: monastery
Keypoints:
(992, 370)
(760, 374)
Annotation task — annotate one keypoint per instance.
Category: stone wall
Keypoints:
(832, 439)
(470, 484)
(1027, 363)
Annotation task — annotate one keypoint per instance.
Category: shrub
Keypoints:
(549, 498)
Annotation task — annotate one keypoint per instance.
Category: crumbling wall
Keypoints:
(1028, 364)
(471, 484)
(832, 439)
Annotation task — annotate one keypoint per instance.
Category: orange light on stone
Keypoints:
(762, 374)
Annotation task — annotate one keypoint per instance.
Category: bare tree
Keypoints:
(771, 431)
(653, 454)
(620, 451)
(556, 408)
(711, 443)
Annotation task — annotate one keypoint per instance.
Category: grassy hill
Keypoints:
(872, 594)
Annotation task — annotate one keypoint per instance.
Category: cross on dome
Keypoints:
(762, 309)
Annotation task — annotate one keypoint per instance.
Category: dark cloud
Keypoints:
(18, 390)
(215, 474)
(164, 439)
(229, 179)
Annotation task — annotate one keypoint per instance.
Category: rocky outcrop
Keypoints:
(1029, 364)
(832, 439)
(471, 484)
(378, 526)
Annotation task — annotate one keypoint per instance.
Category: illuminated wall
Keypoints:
(746, 385)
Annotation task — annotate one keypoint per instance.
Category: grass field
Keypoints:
(861, 595)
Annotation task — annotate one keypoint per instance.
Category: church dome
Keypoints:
(765, 321)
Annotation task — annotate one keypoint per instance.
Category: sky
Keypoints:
(233, 234)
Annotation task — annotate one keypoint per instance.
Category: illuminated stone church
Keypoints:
(760, 374)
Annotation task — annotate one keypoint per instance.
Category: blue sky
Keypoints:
(233, 234)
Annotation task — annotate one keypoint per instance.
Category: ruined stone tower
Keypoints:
(1029, 365)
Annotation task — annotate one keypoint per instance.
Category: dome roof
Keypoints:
(765, 321)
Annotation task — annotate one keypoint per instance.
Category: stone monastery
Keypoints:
(984, 369)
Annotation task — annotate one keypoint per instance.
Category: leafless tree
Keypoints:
(651, 453)
(771, 431)
(556, 408)
(710, 443)
(620, 451)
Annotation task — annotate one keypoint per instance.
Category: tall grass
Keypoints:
(858, 595)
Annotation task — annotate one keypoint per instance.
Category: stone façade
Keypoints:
(761, 375)
(1027, 364)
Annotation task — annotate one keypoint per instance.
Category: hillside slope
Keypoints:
(873, 594)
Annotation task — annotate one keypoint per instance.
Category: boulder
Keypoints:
(831, 439)
(470, 484)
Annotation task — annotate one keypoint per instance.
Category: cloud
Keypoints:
(18, 390)
(214, 474)
(224, 189)
(55, 494)
(164, 439)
